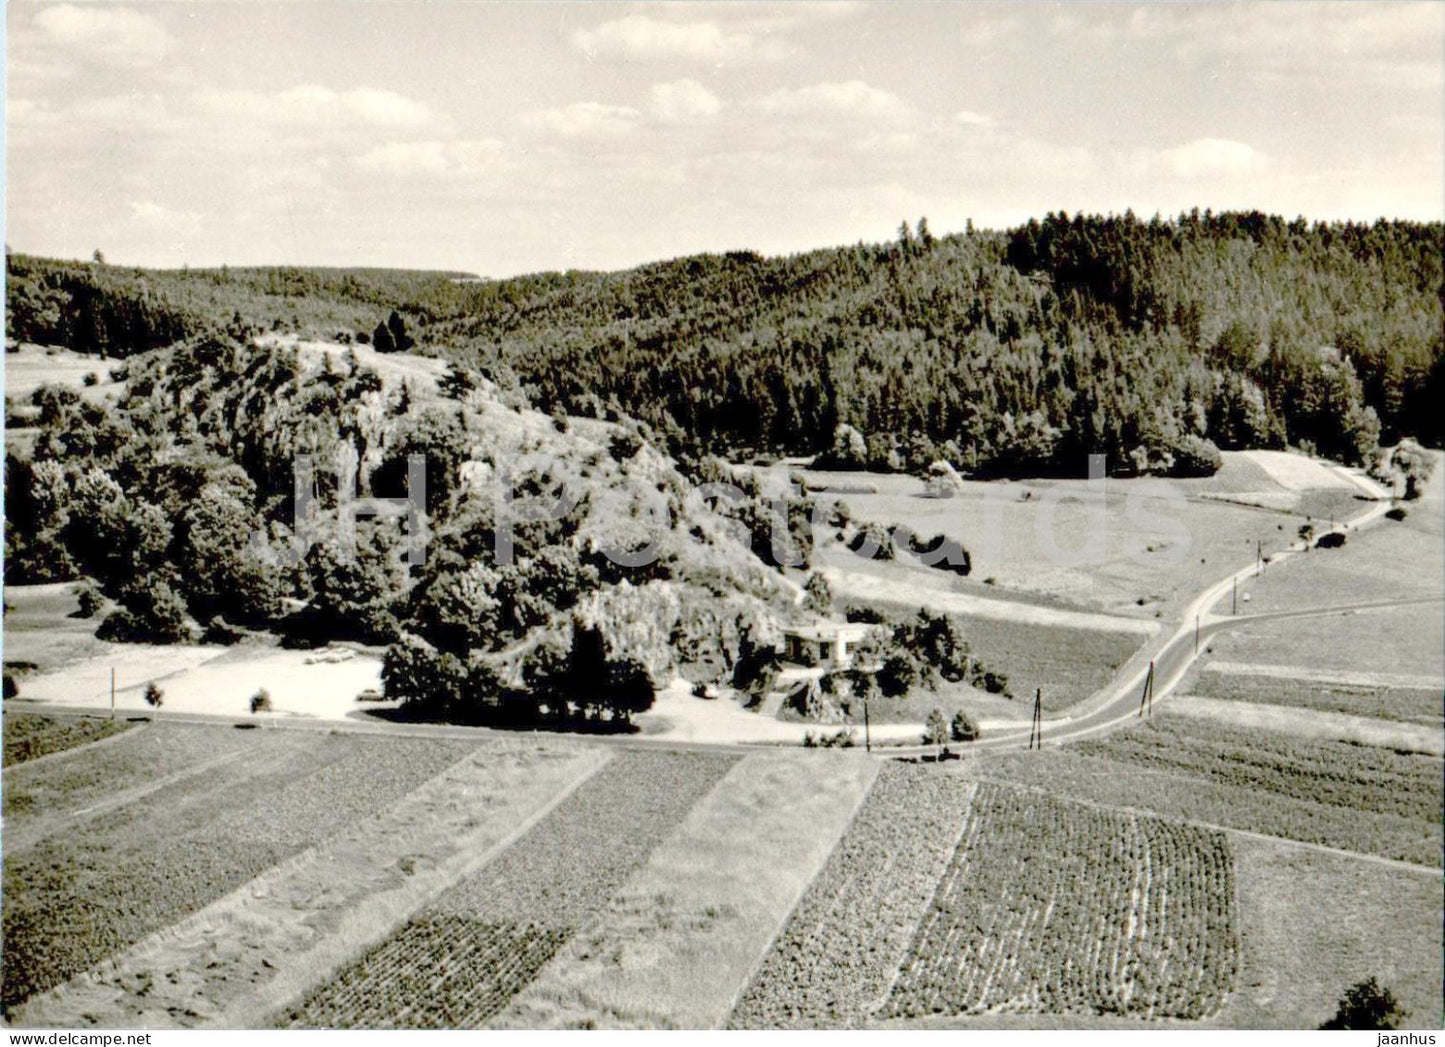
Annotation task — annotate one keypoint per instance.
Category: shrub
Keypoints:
(91, 601)
(874, 540)
(819, 594)
(990, 680)
(1333, 540)
(1367, 1005)
(153, 695)
(900, 672)
(935, 731)
(942, 552)
(1398, 513)
(90, 379)
(11, 687)
(261, 701)
(1196, 456)
(849, 450)
(220, 631)
(963, 729)
(151, 613)
(624, 444)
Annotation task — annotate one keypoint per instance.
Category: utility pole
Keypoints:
(1036, 729)
(1258, 556)
(1146, 700)
(867, 736)
(1234, 598)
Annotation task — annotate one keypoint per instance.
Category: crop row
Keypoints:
(75, 898)
(401, 984)
(836, 956)
(1336, 774)
(556, 876)
(1055, 907)
(1406, 704)
(141, 757)
(29, 737)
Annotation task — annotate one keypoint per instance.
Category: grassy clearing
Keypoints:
(1405, 640)
(460, 962)
(1056, 907)
(29, 737)
(1387, 561)
(1400, 704)
(40, 627)
(1314, 924)
(677, 943)
(835, 959)
(75, 898)
(1352, 797)
(33, 366)
(239, 960)
(1221, 535)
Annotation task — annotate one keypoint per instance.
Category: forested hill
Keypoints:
(1017, 351)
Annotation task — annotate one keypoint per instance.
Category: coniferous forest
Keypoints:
(1018, 352)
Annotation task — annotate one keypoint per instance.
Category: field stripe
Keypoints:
(26, 835)
(460, 962)
(863, 586)
(1314, 724)
(248, 954)
(837, 958)
(1343, 677)
(675, 947)
(85, 748)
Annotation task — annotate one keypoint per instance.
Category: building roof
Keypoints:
(829, 630)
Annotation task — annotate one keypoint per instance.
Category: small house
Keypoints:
(827, 645)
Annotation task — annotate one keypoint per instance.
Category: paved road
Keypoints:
(1173, 656)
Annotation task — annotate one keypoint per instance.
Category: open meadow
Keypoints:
(31, 366)
(1153, 538)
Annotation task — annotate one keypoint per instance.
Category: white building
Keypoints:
(826, 645)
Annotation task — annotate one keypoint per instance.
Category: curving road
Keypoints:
(1173, 656)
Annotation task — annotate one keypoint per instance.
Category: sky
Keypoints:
(502, 138)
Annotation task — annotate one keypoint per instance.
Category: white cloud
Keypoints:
(104, 33)
(851, 98)
(682, 101)
(651, 39)
(314, 105)
(164, 220)
(451, 158)
(586, 120)
(968, 118)
(983, 33)
(1322, 38)
(1212, 158)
